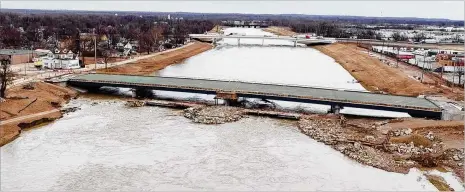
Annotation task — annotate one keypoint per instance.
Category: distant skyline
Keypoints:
(422, 9)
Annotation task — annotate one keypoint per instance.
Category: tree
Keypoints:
(156, 34)
(107, 54)
(399, 37)
(146, 42)
(11, 37)
(419, 37)
(6, 74)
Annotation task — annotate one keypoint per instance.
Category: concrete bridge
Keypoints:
(231, 90)
(214, 38)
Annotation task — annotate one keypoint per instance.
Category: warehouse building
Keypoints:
(18, 56)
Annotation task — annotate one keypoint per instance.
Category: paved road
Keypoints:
(28, 116)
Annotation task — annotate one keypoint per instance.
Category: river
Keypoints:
(107, 146)
(302, 66)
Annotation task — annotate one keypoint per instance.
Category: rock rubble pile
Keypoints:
(213, 114)
(135, 103)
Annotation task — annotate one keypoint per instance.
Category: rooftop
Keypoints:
(14, 52)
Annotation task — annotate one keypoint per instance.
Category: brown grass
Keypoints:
(91, 60)
(158, 62)
(373, 74)
(217, 29)
(450, 132)
(417, 140)
(284, 31)
(439, 183)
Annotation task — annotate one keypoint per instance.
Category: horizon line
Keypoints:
(399, 17)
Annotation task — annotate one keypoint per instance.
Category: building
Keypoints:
(18, 56)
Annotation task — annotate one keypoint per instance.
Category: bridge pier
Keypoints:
(230, 98)
(238, 41)
(295, 43)
(143, 93)
(336, 109)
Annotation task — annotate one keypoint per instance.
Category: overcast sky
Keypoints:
(424, 9)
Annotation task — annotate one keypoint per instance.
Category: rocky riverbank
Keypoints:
(395, 150)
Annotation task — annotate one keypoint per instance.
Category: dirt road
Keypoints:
(157, 62)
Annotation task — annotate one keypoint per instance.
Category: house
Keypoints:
(127, 49)
(59, 59)
(120, 46)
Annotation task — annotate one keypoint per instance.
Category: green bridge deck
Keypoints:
(270, 91)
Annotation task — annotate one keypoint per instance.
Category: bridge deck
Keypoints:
(248, 89)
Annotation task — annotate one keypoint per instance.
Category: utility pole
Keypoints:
(95, 49)
(423, 69)
(382, 52)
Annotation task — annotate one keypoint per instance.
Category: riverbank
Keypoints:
(393, 145)
(373, 74)
(281, 31)
(158, 62)
(376, 76)
(28, 104)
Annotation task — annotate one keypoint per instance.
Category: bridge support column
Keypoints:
(295, 43)
(336, 109)
(230, 98)
(263, 41)
(143, 93)
(231, 102)
(238, 41)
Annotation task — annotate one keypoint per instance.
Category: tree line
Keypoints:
(43, 30)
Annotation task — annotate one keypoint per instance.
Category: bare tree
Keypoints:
(6, 74)
(398, 37)
(157, 35)
(419, 37)
(107, 54)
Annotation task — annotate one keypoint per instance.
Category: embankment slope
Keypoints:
(372, 73)
(158, 62)
(22, 102)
